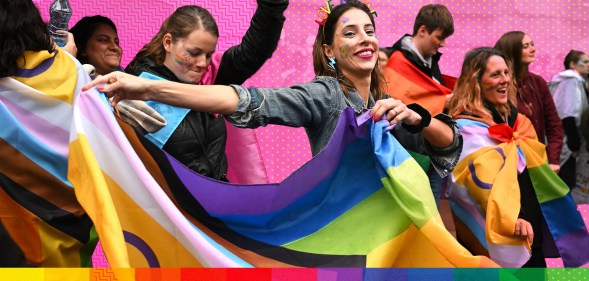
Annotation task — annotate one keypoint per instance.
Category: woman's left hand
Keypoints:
(394, 111)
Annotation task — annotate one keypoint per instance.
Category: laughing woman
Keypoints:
(500, 187)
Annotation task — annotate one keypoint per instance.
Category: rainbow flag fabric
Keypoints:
(485, 196)
(408, 84)
(362, 202)
(39, 209)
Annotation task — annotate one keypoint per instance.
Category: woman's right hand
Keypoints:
(555, 168)
(394, 111)
(70, 46)
(523, 230)
(120, 86)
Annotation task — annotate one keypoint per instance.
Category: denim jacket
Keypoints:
(317, 106)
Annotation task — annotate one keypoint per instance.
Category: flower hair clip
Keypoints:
(323, 13)
(367, 3)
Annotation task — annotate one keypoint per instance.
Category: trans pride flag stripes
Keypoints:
(362, 202)
(38, 206)
(486, 199)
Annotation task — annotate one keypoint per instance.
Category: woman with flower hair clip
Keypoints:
(344, 79)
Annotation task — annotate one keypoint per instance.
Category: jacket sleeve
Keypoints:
(552, 124)
(242, 61)
(443, 159)
(303, 105)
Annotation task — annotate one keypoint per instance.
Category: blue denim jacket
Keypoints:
(317, 106)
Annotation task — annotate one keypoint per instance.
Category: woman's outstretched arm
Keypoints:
(205, 98)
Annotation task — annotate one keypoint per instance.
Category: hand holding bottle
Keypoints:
(59, 17)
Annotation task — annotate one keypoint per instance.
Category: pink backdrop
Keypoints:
(556, 26)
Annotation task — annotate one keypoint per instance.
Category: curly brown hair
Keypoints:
(467, 96)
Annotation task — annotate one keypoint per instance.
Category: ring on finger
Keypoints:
(396, 113)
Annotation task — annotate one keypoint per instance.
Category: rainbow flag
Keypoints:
(39, 209)
(485, 196)
(362, 202)
(408, 84)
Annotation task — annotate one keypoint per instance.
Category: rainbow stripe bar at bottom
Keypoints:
(287, 274)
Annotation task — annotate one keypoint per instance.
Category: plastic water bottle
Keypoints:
(60, 12)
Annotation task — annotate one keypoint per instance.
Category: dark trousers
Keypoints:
(568, 172)
(537, 259)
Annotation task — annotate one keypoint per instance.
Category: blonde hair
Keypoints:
(467, 96)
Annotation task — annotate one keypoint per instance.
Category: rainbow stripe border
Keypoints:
(286, 274)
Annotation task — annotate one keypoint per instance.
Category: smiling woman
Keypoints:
(98, 43)
(345, 62)
(495, 80)
(492, 182)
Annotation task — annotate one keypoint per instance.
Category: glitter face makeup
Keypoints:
(344, 51)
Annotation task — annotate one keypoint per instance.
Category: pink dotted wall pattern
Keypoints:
(556, 26)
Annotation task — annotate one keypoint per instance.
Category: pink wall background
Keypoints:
(556, 26)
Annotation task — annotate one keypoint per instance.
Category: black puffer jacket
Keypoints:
(199, 140)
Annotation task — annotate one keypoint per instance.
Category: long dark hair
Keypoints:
(511, 45)
(325, 35)
(84, 29)
(573, 56)
(180, 24)
(21, 29)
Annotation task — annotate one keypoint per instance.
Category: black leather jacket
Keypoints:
(199, 140)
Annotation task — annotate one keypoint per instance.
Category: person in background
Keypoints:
(483, 98)
(383, 57)
(98, 43)
(184, 50)
(41, 222)
(414, 61)
(533, 96)
(570, 100)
